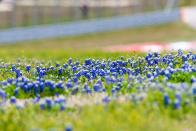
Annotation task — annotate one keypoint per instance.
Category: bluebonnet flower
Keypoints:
(41, 73)
(38, 69)
(103, 90)
(68, 128)
(60, 100)
(4, 83)
(59, 85)
(13, 100)
(18, 73)
(118, 87)
(62, 107)
(13, 67)
(167, 73)
(2, 95)
(36, 88)
(180, 52)
(28, 68)
(108, 79)
(97, 87)
(37, 99)
(106, 100)
(149, 75)
(69, 84)
(113, 90)
(10, 80)
(57, 65)
(94, 75)
(88, 76)
(70, 61)
(103, 65)
(88, 62)
(101, 72)
(52, 86)
(65, 66)
(49, 103)
(86, 89)
(193, 57)
(171, 65)
(74, 68)
(176, 104)
(75, 79)
(194, 90)
(193, 80)
(166, 99)
(42, 106)
(184, 58)
(51, 68)
(178, 97)
(60, 71)
(42, 86)
(16, 91)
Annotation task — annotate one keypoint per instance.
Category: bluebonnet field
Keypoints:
(150, 91)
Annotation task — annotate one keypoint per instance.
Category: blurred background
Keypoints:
(29, 20)
(32, 12)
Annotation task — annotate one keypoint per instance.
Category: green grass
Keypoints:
(161, 33)
(115, 116)
(182, 77)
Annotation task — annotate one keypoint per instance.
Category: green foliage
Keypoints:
(115, 116)
(182, 77)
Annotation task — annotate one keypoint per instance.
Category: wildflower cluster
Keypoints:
(154, 78)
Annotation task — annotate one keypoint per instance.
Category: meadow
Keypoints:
(70, 84)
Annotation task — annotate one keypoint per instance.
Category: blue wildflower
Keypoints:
(97, 88)
(60, 71)
(106, 100)
(69, 128)
(48, 103)
(16, 92)
(69, 84)
(28, 68)
(176, 104)
(13, 100)
(3, 95)
(184, 58)
(166, 99)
